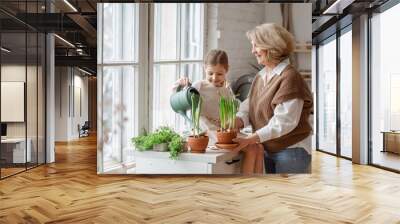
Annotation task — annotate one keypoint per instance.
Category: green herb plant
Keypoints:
(161, 135)
(228, 107)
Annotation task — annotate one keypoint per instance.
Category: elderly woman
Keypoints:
(278, 105)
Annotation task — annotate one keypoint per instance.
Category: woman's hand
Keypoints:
(244, 142)
(239, 123)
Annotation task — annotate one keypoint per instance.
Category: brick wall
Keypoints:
(227, 25)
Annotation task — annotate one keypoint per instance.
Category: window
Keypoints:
(327, 97)
(346, 93)
(335, 108)
(126, 68)
(385, 87)
(178, 51)
(119, 39)
(118, 69)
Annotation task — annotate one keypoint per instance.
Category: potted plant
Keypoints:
(227, 114)
(198, 141)
(163, 139)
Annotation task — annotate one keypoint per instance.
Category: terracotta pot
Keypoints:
(199, 144)
(225, 137)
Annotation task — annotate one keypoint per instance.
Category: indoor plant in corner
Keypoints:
(227, 115)
(198, 141)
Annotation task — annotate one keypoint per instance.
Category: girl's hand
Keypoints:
(184, 81)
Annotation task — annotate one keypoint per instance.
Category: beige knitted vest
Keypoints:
(263, 100)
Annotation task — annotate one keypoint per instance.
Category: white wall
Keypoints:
(67, 115)
(17, 73)
(33, 126)
(61, 103)
(227, 25)
(302, 27)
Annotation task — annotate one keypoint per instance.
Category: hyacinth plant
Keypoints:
(196, 109)
(228, 107)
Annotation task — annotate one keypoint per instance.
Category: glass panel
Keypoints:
(193, 70)
(100, 17)
(41, 99)
(112, 115)
(118, 30)
(32, 99)
(327, 97)
(385, 84)
(130, 107)
(13, 87)
(346, 94)
(164, 77)
(119, 114)
(165, 31)
(192, 40)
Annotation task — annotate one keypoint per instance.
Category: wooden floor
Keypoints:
(70, 191)
(10, 171)
(387, 159)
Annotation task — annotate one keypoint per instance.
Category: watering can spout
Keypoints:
(184, 115)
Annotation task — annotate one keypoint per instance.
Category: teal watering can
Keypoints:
(181, 101)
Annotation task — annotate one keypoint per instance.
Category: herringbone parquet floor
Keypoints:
(70, 191)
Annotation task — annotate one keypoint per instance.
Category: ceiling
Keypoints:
(76, 20)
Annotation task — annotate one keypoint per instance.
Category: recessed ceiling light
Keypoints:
(70, 5)
(64, 40)
(84, 71)
(338, 6)
(5, 50)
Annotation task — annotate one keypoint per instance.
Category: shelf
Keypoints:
(306, 75)
(303, 48)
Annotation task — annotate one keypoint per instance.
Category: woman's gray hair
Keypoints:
(278, 42)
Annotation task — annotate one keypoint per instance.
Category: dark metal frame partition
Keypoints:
(341, 27)
(340, 30)
(44, 78)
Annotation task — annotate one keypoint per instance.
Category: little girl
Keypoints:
(211, 89)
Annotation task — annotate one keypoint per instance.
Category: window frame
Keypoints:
(334, 37)
(379, 10)
(179, 61)
(143, 97)
(134, 64)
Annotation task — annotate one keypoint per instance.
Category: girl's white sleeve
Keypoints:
(195, 85)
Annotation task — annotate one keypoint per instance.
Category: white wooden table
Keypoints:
(213, 161)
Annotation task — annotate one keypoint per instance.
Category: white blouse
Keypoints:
(286, 115)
